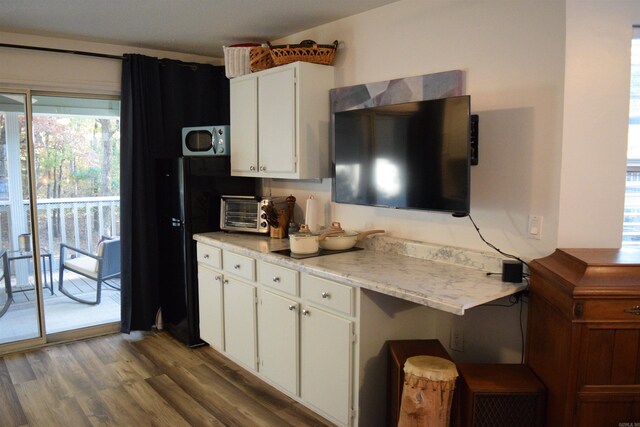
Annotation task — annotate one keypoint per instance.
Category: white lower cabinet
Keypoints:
(210, 306)
(326, 362)
(278, 338)
(240, 322)
(320, 341)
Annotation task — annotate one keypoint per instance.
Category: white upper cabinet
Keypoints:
(280, 122)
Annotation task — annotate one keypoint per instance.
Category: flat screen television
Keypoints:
(413, 155)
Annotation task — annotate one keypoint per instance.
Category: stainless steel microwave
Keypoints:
(246, 213)
(206, 140)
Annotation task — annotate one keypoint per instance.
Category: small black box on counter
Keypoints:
(511, 271)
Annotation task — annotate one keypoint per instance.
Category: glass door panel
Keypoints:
(76, 151)
(20, 296)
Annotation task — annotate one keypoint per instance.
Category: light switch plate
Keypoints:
(534, 227)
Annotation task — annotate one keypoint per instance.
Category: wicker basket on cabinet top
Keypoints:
(306, 51)
(260, 58)
(236, 59)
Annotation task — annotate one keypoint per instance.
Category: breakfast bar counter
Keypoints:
(450, 279)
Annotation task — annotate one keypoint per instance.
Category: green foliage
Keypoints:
(76, 156)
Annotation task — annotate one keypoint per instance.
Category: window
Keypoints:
(631, 226)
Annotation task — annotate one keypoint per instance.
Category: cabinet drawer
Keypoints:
(209, 255)
(239, 265)
(608, 309)
(328, 294)
(280, 278)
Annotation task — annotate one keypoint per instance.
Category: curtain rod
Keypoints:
(192, 65)
(73, 52)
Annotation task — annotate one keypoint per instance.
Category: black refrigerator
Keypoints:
(188, 202)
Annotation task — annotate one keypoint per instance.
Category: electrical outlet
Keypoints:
(456, 340)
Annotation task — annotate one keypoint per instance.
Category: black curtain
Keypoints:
(159, 97)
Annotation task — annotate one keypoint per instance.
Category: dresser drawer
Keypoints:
(239, 265)
(328, 294)
(627, 310)
(209, 255)
(280, 278)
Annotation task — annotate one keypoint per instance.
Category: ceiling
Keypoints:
(190, 26)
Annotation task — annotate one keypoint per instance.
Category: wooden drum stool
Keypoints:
(427, 394)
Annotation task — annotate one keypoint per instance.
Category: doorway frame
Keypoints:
(45, 339)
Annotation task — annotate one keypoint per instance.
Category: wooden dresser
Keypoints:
(583, 335)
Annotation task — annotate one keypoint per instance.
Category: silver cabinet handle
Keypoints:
(633, 310)
(263, 168)
(306, 313)
(326, 295)
(206, 256)
(236, 267)
(292, 307)
(276, 279)
(225, 282)
(252, 168)
(218, 277)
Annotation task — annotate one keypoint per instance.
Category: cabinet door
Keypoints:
(277, 122)
(278, 340)
(325, 362)
(244, 126)
(608, 389)
(240, 322)
(210, 307)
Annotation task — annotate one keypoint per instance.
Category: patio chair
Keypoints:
(7, 284)
(100, 267)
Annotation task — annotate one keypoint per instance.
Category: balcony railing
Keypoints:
(631, 225)
(79, 221)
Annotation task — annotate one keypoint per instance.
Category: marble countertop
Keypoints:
(448, 286)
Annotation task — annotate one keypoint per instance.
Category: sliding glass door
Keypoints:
(20, 284)
(77, 169)
(59, 217)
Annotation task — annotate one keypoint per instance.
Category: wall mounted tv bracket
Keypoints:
(473, 131)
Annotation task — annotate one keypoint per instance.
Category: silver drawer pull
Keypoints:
(218, 277)
(206, 256)
(237, 266)
(326, 295)
(225, 282)
(633, 310)
(292, 307)
(276, 279)
(306, 313)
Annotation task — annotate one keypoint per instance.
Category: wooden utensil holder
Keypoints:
(280, 232)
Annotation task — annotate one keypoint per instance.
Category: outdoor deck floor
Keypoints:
(61, 313)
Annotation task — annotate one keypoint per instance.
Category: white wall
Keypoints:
(38, 70)
(513, 57)
(550, 81)
(596, 117)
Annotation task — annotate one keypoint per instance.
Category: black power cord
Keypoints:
(514, 299)
(492, 246)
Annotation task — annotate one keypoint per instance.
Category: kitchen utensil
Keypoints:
(272, 215)
(280, 230)
(340, 239)
(305, 242)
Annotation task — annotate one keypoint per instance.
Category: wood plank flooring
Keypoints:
(143, 379)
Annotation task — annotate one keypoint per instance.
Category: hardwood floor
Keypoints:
(145, 379)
